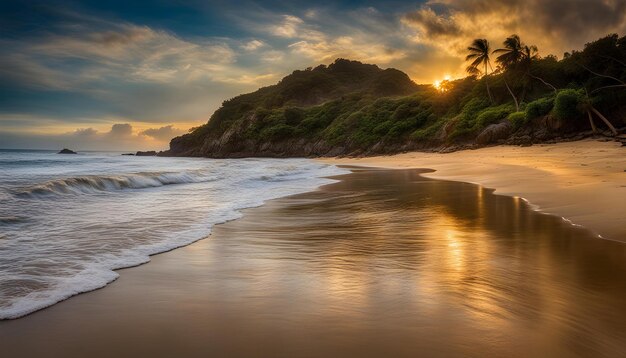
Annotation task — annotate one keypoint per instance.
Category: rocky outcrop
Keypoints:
(494, 133)
(66, 151)
(150, 153)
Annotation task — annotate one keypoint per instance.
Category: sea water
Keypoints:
(67, 222)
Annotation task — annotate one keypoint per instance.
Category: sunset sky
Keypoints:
(126, 75)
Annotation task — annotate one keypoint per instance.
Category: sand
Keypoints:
(583, 181)
(381, 263)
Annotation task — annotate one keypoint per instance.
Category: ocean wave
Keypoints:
(94, 183)
(51, 251)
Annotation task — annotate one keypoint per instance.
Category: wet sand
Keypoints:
(583, 181)
(382, 263)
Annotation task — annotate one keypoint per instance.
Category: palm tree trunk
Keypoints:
(487, 83)
(606, 121)
(593, 125)
(512, 95)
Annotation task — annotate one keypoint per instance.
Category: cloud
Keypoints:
(120, 53)
(121, 130)
(163, 133)
(120, 137)
(555, 25)
(347, 47)
(447, 27)
(273, 56)
(432, 24)
(85, 132)
(291, 27)
(288, 28)
(81, 69)
(252, 45)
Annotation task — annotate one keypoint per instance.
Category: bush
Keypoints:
(293, 115)
(518, 119)
(277, 132)
(428, 132)
(539, 108)
(492, 115)
(566, 104)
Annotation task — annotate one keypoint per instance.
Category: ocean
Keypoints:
(67, 222)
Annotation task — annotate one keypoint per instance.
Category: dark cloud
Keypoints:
(163, 134)
(575, 18)
(568, 23)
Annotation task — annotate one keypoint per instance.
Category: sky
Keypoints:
(130, 75)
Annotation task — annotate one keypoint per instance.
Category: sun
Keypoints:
(440, 84)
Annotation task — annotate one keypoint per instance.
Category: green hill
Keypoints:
(351, 108)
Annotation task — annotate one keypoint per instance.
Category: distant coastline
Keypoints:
(349, 108)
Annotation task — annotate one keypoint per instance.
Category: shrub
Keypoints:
(539, 108)
(491, 116)
(518, 119)
(276, 132)
(566, 104)
(382, 129)
(293, 115)
(428, 132)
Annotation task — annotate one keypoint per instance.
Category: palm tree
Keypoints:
(510, 56)
(479, 52)
(587, 106)
(530, 54)
(512, 53)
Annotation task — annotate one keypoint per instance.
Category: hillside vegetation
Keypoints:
(351, 108)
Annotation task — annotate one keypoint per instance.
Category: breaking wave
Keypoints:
(94, 184)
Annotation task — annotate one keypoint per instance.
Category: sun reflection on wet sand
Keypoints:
(381, 263)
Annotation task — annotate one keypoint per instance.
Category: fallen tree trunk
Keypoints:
(606, 121)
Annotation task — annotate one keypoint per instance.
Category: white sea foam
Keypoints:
(94, 183)
(72, 243)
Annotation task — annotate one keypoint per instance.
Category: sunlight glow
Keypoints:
(442, 85)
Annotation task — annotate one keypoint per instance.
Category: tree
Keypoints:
(530, 54)
(509, 58)
(512, 53)
(586, 104)
(479, 52)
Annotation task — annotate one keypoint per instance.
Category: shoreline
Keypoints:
(583, 182)
(298, 277)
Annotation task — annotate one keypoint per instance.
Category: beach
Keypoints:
(582, 181)
(313, 179)
(381, 262)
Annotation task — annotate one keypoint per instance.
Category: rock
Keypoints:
(66, 151)
(150, 153)
(128, 153)
(553, 123)
(524, 141)
(494, 132)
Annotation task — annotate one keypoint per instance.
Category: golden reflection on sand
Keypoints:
(382, 263)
